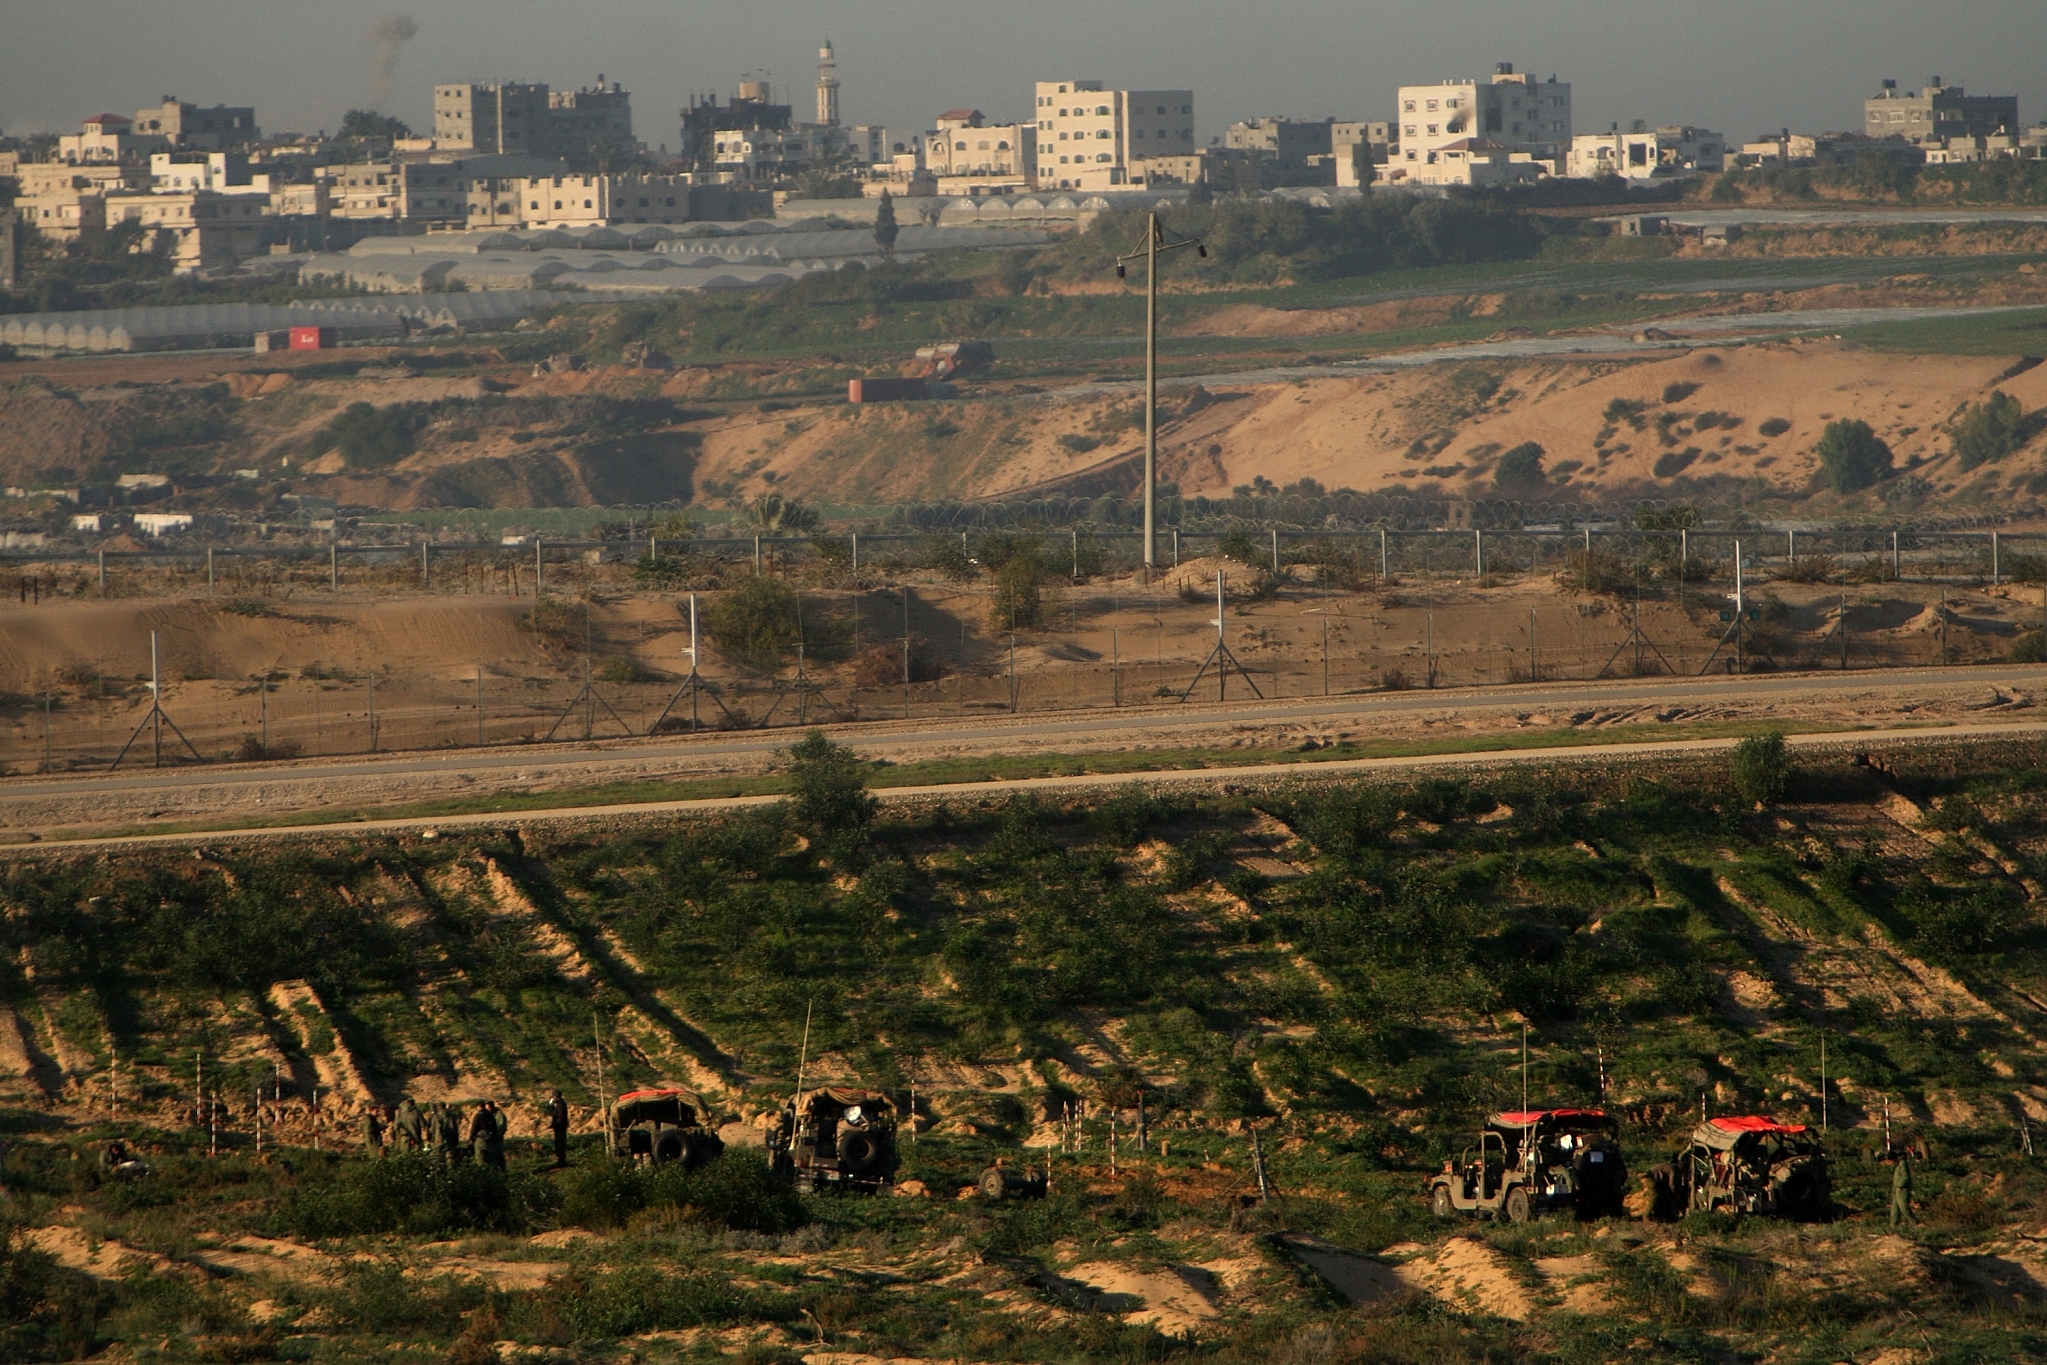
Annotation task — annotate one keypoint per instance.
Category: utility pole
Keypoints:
(1154, 243)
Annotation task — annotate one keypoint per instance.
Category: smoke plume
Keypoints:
(388, 33)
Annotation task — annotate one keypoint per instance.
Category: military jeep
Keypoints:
(1747, 1164)
(662, 1126)
(839, 1139)
(1536, 1161)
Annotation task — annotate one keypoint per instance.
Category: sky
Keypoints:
(1740, 67)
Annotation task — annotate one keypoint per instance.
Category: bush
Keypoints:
(1852, 456)
(946, 555)
(1079, 444)
(757, 622)
(736, 1191)
(1774, 426)
(46, 1312)
(1671, 463)
(1989, 431)
(829, 798)
(1762, 768)
(1019, 564)
(1619, 410)
(1244, 547)
(2030, 648)
(416, 1193)
(372, 438)
(1678, 390)
(1520, 468)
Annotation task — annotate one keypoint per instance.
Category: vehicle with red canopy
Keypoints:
(1748, 1163)
(838, 1138)
(1534, 1161)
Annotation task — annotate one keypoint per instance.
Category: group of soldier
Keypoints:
(438, 1128)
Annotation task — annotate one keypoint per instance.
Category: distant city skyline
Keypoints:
(1738, 66)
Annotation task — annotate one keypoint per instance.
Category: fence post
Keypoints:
(1478, 552)
(756, 556)
(209, 566)
(1993, 559)
(1275, 549)
(856, 548)
(1791, 546)
(103, 571)
(1897, 571)
(539, 571)
(424, 579)
(333, 564)
(1383, 560)
(1176, 547)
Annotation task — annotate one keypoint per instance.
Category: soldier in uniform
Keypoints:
(1901, 1190)
(373, 1130)
(411, 1125)
(558, 1122)
(487, 1131)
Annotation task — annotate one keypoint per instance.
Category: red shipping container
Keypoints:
(312, 338)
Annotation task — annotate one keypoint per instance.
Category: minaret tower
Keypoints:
(827, 86)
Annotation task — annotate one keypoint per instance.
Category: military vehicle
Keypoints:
(1536, 1161)
(1747, 1164)
(663, 1125)
(839, 1139)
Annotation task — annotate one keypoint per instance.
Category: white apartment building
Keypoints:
(602, 200)
(1513, 109)
(1089, 137)
(1671, 152)
(106, 138)
(199, 227)
(966, 155)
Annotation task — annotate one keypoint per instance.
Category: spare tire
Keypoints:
(861, 1151)
(670, 1144)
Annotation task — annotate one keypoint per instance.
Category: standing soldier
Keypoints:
(411, 1125)
(487, 1131)
(448, 1130)
(1901, 1190)
(373, 1130)
(558, 1121)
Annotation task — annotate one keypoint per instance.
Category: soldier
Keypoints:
(487, 1131)
(411, 1125)
(373, 1130)
(558, 1121)
(1901, 1190)
(449, 1130)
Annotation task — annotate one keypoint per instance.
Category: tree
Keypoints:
(1852, 455)
(1520, 467)
(368, 123)
(1761, 768)
(885, 229)
(773, 514)
(1990, 431)
(829, 797)
(757, 621)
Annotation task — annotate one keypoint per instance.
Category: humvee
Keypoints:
(1536, 1161)
(1748, 1164)
(838, 1138)
(663, 1125)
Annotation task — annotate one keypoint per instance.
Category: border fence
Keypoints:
(1305, 613)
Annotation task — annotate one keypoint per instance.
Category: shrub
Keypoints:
(737, 1191)
(1852, 456)
(1671, 463)
(1244, 547)
(1621, 410)
(372, 438)
(1774, 426)
(1079, 444)
(1762, 768)
(1989, 431)
(829, 798)
(1019, 563)
(758, 622)
(946, 555)
(2030, 648)
(1520, 467)
(416, 1193)
(1678, 390)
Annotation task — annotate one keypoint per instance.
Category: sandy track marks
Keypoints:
(21, 1060)
(1178, 1300)
(1467, 1272)
(1357, 1278)
(103, 1259)
(301, 1007)
(285, 1260)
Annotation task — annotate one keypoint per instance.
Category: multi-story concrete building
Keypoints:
(1359, 149)
(63, 215)
(1938, 112)
(1670, 152)
(1088, 136)
(505, 117)
(612, 200)
(185, 126)
(1290, 142)
(196, 228)
(1513, 109)
(593, 126)
(968, 156)
(1469, 161)
(107, 138)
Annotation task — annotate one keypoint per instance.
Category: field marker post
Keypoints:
(373, 709)
(1534, 667)
(1478, 553)
(334, 565)
(1176, 548)
(103, 572)
(1993, 559)
(1897, 572)
(46, 732)
(1275, 549)
(1325, 655)
(1012, 673)
(209, 566)
(423, 579)
(1383, 560)
(539, 569)
(1791, 546)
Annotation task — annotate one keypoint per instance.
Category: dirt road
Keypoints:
(1950, 701)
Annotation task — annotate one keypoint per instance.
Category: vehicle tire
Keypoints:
(994, 1183)
(1440, 1203)
(859, 1151)
(670, 1144)
(1517, 1207)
